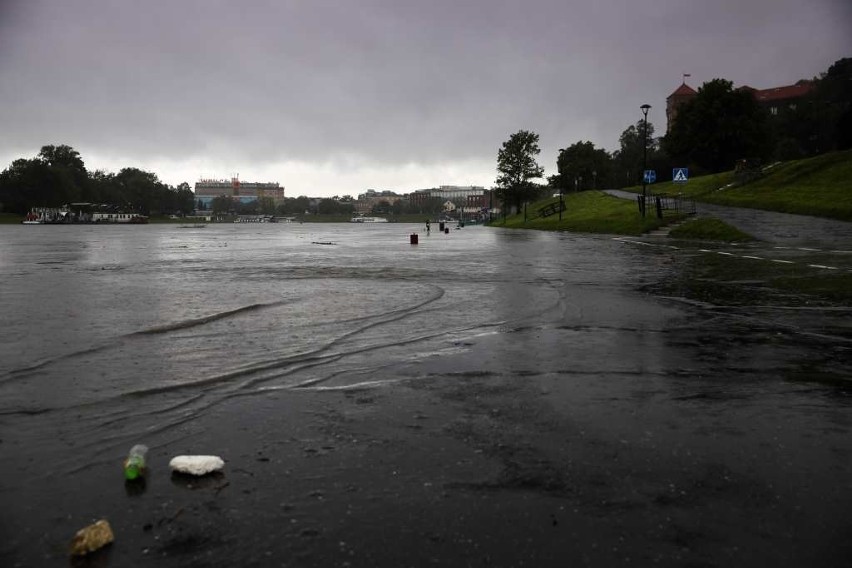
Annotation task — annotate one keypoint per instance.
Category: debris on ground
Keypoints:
(196, 465)
(91, 538)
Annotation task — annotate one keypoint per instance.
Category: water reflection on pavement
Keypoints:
(518, 396)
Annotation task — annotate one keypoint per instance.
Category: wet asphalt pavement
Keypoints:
(489, 397)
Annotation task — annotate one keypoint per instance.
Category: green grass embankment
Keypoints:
(10, 219)
(820, 186)
(589, 212)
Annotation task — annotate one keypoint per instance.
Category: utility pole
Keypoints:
(645, 108)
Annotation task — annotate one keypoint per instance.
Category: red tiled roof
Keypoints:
(783, 93)
(683, 90)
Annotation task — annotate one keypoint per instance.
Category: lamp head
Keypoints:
(645, 108)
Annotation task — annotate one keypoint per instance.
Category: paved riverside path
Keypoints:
(770, 226)
(490, 397)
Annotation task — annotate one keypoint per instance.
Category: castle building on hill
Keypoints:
(777, 97)
(674, 101)
(772, 99)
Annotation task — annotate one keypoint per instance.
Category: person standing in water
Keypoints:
(428, 226)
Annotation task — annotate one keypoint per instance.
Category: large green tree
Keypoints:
(222, 204)
(294, 205)
(64, 156)
(141, 190)
(833, 107)
(581, 166)
(517, 168)
(719, 126)
(629, 160)
(184, 199)
(56, 176)
(266, 205)
(28, 183)
(102, 187)
(331, 206)
(69, 169)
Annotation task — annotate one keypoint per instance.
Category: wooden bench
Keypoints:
(551, 208)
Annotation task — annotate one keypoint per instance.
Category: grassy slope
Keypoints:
(817, 186)
(588, 212)
(710, 229)
(820, 186)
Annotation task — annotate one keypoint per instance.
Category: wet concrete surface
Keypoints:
(503, 398)
(479, 469)
(515, 460)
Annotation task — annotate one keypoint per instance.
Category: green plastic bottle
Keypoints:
(134, 465)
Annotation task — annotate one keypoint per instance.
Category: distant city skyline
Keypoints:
(330, 98)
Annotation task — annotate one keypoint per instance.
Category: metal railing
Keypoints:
(679, 203)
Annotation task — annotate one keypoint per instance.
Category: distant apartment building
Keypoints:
(206, 190)
(369, 199)
(467, 198)
(771, 99)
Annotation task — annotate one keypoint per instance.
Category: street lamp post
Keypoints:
(645, 108)
(561, 202)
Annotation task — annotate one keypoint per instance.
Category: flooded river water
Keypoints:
(732, 422)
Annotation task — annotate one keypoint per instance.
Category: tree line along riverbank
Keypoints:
(820, 186)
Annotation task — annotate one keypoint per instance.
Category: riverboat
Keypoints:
(47, 216)
(78, 213)
(368, 220)
(256, 219)
(131, 218)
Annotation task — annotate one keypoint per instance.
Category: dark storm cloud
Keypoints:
(388, 82)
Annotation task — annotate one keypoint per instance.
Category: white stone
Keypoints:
(196, 465)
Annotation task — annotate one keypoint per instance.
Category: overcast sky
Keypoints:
(334, 97)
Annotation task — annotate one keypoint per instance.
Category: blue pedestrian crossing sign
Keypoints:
(650, 176)
(680, 175)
